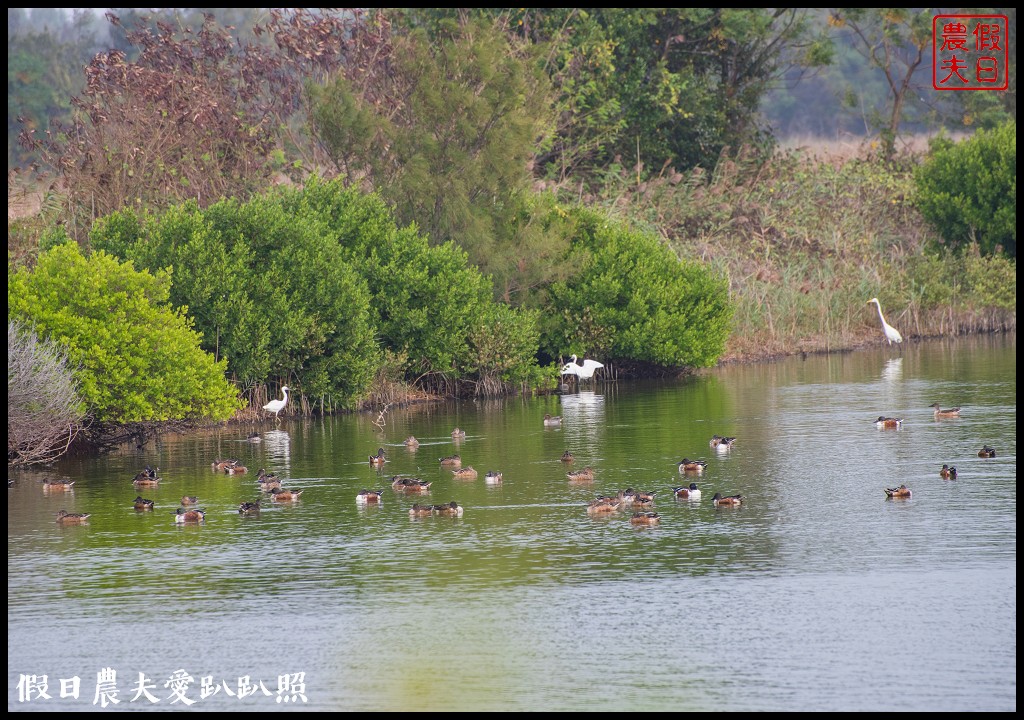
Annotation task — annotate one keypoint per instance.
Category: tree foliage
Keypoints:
(968, 190)
(134, 358)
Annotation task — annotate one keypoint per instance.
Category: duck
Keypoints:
(493, 477)
(66, 518)
(58, 484)
(987, 452)
(459, 434)
(236, 468)
(940, 413)
(451, 461)
(948, 472)
(254, 437)
(687, 493)
(147, 477)
(282, 495)
(584, 475)
(466, 473)
(406, 484)
(189, 499)
(721, 443)
(418, 510)
(269, 483)
(603, 506)
(369, 497)
(412, 442)
(888, 422)
(452, 509)
(552, 420)
(693, 467)
(567, 457)
(645, 518)
(249, 508)
(223, 465)
(901, 492)
(378, 460)
(643, 499)
(194, 515)
(719, 499)
(142, 503)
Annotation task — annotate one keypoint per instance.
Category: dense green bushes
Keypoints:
(134, 358)
(968, 190)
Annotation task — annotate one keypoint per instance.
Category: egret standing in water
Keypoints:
(276, 406)
(582, 372)
(891, 333)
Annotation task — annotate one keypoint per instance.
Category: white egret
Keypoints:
(891, 333)
(276, 406)
(584, 371)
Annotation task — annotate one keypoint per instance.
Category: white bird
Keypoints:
(891, 333)
(584, 371)
(276, 406)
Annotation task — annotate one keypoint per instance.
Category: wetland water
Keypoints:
(818, 593)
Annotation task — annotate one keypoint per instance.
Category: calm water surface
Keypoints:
(817, 593)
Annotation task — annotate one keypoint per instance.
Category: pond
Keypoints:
(816, 593)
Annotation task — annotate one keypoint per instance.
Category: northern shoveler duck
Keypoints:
(888, 422)
(189, 499)
(901, 492)
(948, 472)
(721, 443)
(58, 484)
(693, 467)
(687, 493)
(940, 413)
(378, 460)
(603, 506)
(987, 452)
(148, 477)
(459, 434)
(223, 465)
(254, 437)
(552, 420)
(66, 518)
(567, 457)
(195, 515)
(452, 509)
(369, 497)
(645, 518)
(406, 484)
(282, 495)
(643, 499)
(493, 477)
(249, 508)
(412, 442)
(451, 461)
(719, 499)
(236, 469)
(264, 476)
(584, 475)
(466, 473)
(269, 483)
(142, 503)
(418, 510)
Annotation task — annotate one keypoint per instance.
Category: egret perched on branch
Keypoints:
(276, 406)
(891, 333)
(584, 371)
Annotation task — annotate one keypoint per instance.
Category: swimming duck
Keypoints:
(418, 510)
(643, 499)
(645, 518)
(719, 499)
(493, 477)
(282, 495)
(254, 437)
(146, 478)
(567, 457)
(451, 461)
(687, 493)
(888, 422)
(552, 420)
(459, 434)
(603, 506)
(948, 472)
(369, 497)
(721, 443)
(58, 485)
(405, 484)
(412, 442)
(452, 509)
(223, 465)
(987, 452)
(268, 482)
(195, 515)
(236, 468)
(466, 473)
(901, 492)
(142, 503)
(249, 508)
(940, 413)
(694, 467)
(189, 499)
(378, 460)
(584, 475)
(66, 518)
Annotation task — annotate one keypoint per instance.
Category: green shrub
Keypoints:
(135, 359)
(968, 191)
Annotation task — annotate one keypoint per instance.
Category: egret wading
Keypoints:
(276, 406)
(891, 333)
(582, 372)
